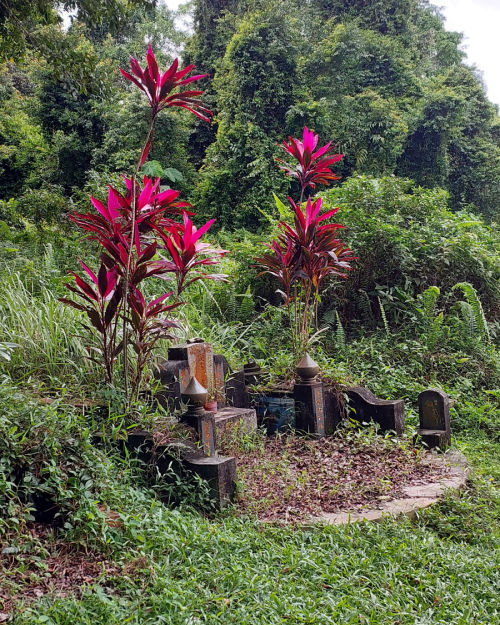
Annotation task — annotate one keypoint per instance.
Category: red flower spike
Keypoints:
(158, 88)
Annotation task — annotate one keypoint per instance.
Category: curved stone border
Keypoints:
(416, 497)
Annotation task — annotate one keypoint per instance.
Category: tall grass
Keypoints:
(48, 335)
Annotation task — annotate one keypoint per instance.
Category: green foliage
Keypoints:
(253, 85)
(406, 239)
(475, 306)
(384, 80)
(21, 20)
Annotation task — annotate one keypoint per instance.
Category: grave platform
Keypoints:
(230, 419)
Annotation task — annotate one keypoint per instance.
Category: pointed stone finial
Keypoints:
(307, 369)
(195, 395)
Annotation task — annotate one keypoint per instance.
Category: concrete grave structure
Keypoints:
(365, 407)
(191, 359)
(309, 400)
(434, 415)
(228, 419)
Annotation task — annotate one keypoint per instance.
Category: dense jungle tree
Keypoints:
(255, 86)
(384, 80)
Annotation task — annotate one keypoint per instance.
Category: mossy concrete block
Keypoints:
(237, 420)
(219, 472)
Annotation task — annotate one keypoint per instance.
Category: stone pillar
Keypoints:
(195, 395)
(434, 414)
(308, 396)
(220, 473)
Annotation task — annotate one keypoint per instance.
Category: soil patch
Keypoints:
(293, 479)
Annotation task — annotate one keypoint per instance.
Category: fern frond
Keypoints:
(467, 317)
(474, 302)
(429, 300)
(330, 317)
(232, 306)
(384, 317)
(247, 306)
(339, 333)
(365, 307)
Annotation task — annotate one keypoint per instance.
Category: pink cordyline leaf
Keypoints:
(188, 252)
(311, 168)
(158, 88)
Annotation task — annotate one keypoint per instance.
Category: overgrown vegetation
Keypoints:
(419, 201)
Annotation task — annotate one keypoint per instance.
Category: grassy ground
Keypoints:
(177, 567)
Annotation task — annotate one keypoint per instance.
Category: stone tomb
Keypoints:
(365, 407)
(196, 359)
(192, 359)
(434, 415)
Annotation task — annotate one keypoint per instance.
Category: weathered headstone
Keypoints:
(434, 415)
(221, 371)
(237, 394)
(308, 396)
(191, 359)
(200, 359)
(365, 407)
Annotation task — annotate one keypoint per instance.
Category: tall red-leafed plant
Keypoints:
(308, 250)
(141, 238)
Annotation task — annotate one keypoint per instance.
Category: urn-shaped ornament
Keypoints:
(307, 369)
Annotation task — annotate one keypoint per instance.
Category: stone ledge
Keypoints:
(416, 497)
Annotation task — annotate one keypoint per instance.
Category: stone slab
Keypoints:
(229, 419)
(365, 407)
(434, 438)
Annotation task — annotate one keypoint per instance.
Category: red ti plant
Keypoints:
(311, 169)
(102, 301)
(132, 229)
(308, 250)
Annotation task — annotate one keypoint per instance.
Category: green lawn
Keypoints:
(176, 567)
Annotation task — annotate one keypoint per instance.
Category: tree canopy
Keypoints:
(383, 80)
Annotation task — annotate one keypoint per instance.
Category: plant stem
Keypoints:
(126, 277)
